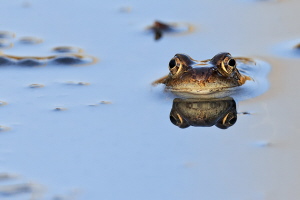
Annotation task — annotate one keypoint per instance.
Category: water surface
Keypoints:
(129, 149)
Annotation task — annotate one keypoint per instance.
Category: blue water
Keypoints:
(129, 149)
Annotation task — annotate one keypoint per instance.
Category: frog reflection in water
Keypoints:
(204, 112)
(206, 77)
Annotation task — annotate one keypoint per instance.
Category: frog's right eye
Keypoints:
(172, 63)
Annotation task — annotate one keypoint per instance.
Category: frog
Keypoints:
(191, 77)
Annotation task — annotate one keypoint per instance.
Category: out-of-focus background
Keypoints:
(101, 131)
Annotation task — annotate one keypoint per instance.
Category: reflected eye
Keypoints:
(227, 121)
(177, 120)
(172, 63)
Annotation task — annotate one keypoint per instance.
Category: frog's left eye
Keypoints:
(227, 66)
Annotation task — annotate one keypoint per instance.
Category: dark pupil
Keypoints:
(231, 62)
(172, 63)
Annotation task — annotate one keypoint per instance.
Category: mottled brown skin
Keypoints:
(188, 76)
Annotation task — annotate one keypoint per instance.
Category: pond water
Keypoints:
(102, 131)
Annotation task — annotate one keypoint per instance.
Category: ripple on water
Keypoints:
(258, 71)
(67, 59)
(72, 59)
(31, 62)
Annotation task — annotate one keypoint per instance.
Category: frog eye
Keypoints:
(172, 63)
(174, 66)
(227, 121)
(177, 120)
(227, 66)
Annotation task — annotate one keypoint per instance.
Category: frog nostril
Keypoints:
(172, 63)
(231, 62)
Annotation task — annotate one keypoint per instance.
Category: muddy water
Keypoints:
(101, 131)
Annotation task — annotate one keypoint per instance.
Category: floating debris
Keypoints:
(4, 128)
(34, 61)
(77, 83)
(73, 59)
(105, 102)
(244, 113)
(67, 49)
(60, 109)
(7, 34)
(36, 85)
(30, 40)
(126, 9)
(35, 190)
(7, 176)
(101, 102)
(159, 28)
(3, 103)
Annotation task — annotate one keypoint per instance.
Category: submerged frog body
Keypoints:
(188, 76)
